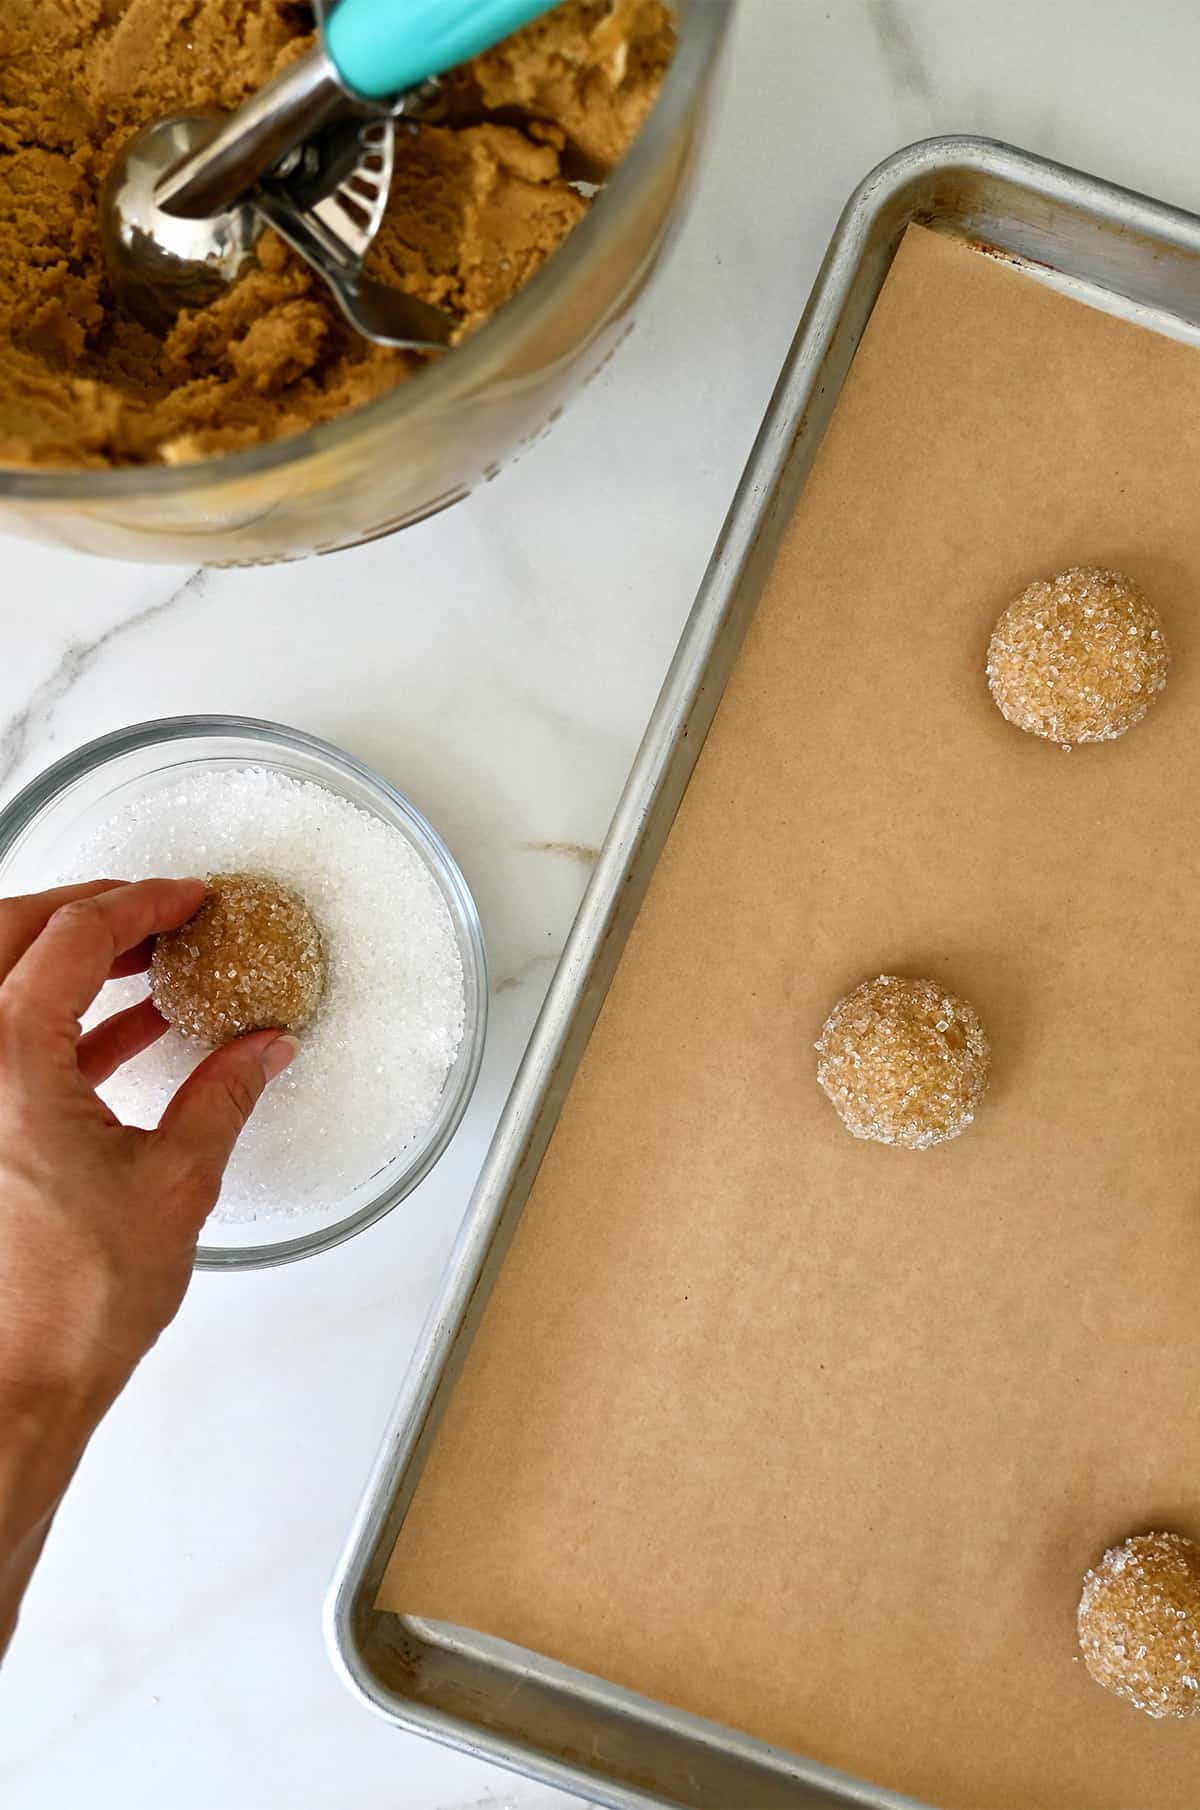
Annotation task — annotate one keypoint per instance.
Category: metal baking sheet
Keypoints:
(1121, 252)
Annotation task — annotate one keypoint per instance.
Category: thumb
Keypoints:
(207, 1116)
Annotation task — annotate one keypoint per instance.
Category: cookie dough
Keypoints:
(1078, 658)
(1139, 1624)
(904, 1062)
(592, 70)
(484, 193)
(250, 960)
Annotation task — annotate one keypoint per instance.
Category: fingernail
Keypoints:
(278, 1054)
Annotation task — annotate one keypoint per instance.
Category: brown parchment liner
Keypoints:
(812, 1436)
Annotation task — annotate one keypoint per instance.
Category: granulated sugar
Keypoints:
(370, 1073)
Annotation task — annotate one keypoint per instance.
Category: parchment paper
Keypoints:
(808, 1435)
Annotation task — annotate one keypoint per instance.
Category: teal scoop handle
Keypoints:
(381, 47)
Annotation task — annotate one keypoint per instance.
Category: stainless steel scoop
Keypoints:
(311, 155)
(326, 198)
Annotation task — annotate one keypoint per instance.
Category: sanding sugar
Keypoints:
(369, 1077)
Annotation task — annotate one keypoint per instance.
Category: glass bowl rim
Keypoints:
(443, 382)
(35, 798)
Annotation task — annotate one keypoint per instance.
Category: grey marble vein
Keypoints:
(583, 852)
(77, 659)
(510, 982)
(901, 49)
(514, 1798)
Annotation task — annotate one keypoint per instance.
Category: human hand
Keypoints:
(99, 1221)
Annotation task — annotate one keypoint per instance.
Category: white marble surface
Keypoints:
(499, 663)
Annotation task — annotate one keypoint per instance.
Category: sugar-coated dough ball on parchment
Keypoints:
(1139, 1623)
(1078, 658)
(904, 1062)
(250, 960)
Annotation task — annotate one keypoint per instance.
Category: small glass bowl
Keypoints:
(54, 813)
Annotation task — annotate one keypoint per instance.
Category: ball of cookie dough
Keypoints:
(1078, 658)
(250, 960)
(904, 1062)
(1139, 1623)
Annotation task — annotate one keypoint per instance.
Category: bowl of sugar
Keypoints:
(390, 1061)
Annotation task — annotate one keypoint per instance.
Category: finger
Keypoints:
(23, 919)
(64, 968)
(134, 961)
(42, 906)
(118, 1040)
(207, 1116)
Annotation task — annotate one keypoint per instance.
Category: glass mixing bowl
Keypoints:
(43, 824)
(436, 437)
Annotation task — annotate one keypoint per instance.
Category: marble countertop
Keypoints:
(499, 663)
